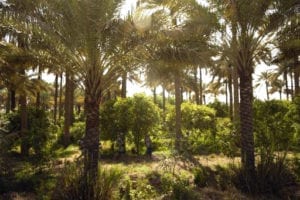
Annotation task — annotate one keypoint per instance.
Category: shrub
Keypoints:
(198, 126)
(145, 119)
(71, 186)
(38, 137)
(77, 132)
(273, 127)
(220, 108)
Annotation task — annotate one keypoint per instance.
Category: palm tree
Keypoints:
(266, 77)
(180, 45)
(250, 45)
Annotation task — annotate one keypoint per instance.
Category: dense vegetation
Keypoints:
(83, 137)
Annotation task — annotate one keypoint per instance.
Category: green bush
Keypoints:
(198, 126)
(146, 118)
(220, 108)
(38, 137)
(272, 127)
(77, 132)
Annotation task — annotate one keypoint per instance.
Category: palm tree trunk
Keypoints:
(236, 99)
(267, 90)
(292, 85)
(38, 94)
(230, 93)
(200, 87)
(24, 126)
(60, 105)
(196, 90)
(55, 98)
(12, 100)
(246, 128)
(296, 76)
(72, 99)
(164, 99)
(178, 134)
(90, 144)
(67, 114)
(124, 84)
(286, 84)
(154, 95)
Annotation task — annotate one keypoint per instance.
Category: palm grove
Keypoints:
(93, 53)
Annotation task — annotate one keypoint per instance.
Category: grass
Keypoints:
(36, 180)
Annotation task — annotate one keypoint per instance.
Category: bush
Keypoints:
(77, 132)
(38, 137)
(71, 186)
(198, 126)
(272, 127)
(220, 108)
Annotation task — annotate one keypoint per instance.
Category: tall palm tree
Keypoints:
(250, 46)
(178, 45)
(266, 77)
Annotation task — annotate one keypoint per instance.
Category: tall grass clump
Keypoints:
(71, 184)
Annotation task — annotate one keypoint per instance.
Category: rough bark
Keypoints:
(24, 126)
(196, 89)
(67, 114)
(124, 85)
(296, 76)
(201, 99)
(90, 144)
(178, 133)
(246, 128)
(55, 99)
(230, 93)
(12, 100)
(60, 104)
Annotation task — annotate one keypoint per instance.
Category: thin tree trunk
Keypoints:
(196, 90)
(38, 94)
(246, 128)
(55, 99)
(67, 113)
(236, 99)
(124, 85)
(230, 93)
(285, 77)
(226, 92)
(267, 90)
(12, 100)
(154, 95)
(72, 99)
(292, 85)
(178, 134)
(200, 87)
(296, 76)
(24, 126)
(164, 99)
(60, 104)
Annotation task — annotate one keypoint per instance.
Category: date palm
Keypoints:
(252, 36)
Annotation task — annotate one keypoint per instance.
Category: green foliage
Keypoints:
(145, 118)
(116, 117)
(77, 132)
(194, 117)
(220, 108)
(137, 115)
(273, 127)
(198, 125)
(71, 185)
(226, 137)
(272, 178)
(38, 136)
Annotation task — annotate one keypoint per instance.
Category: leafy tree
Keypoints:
(145, 118)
